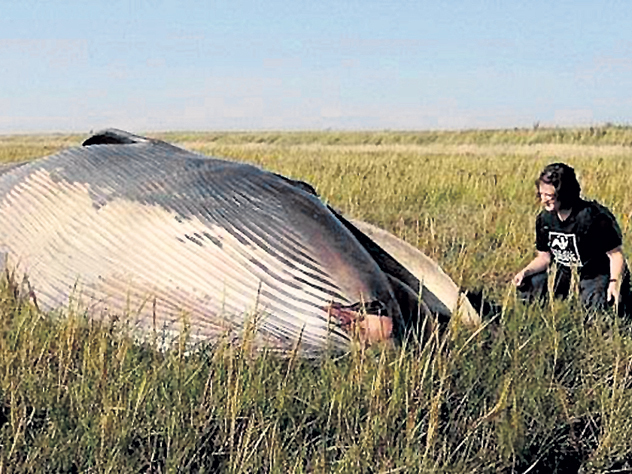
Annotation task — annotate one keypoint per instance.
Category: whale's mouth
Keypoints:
(369, 321)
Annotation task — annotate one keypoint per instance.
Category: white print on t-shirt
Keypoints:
(564, 249)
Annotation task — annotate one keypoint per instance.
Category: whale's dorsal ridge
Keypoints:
(114, 136)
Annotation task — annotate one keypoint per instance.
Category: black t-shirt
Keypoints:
(581, 240)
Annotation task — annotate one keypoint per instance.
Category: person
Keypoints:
(572, 233)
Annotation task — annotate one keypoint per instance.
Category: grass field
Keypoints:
(539, 390)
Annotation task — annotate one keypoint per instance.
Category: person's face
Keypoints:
(548, 197)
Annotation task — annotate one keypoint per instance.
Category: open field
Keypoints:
(538, 389)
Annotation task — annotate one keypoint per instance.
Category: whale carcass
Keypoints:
(126, 225)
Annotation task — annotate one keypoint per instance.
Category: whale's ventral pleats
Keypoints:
(133, 227)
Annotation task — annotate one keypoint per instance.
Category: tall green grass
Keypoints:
(539, 389)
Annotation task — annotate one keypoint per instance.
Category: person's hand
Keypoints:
(612, 295)
(517, 280)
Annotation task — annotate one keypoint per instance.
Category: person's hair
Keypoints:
(562, 178)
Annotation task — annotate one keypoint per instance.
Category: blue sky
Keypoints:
(288, 65)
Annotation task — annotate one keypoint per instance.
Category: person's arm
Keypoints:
(617, 265)
(539, 264)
